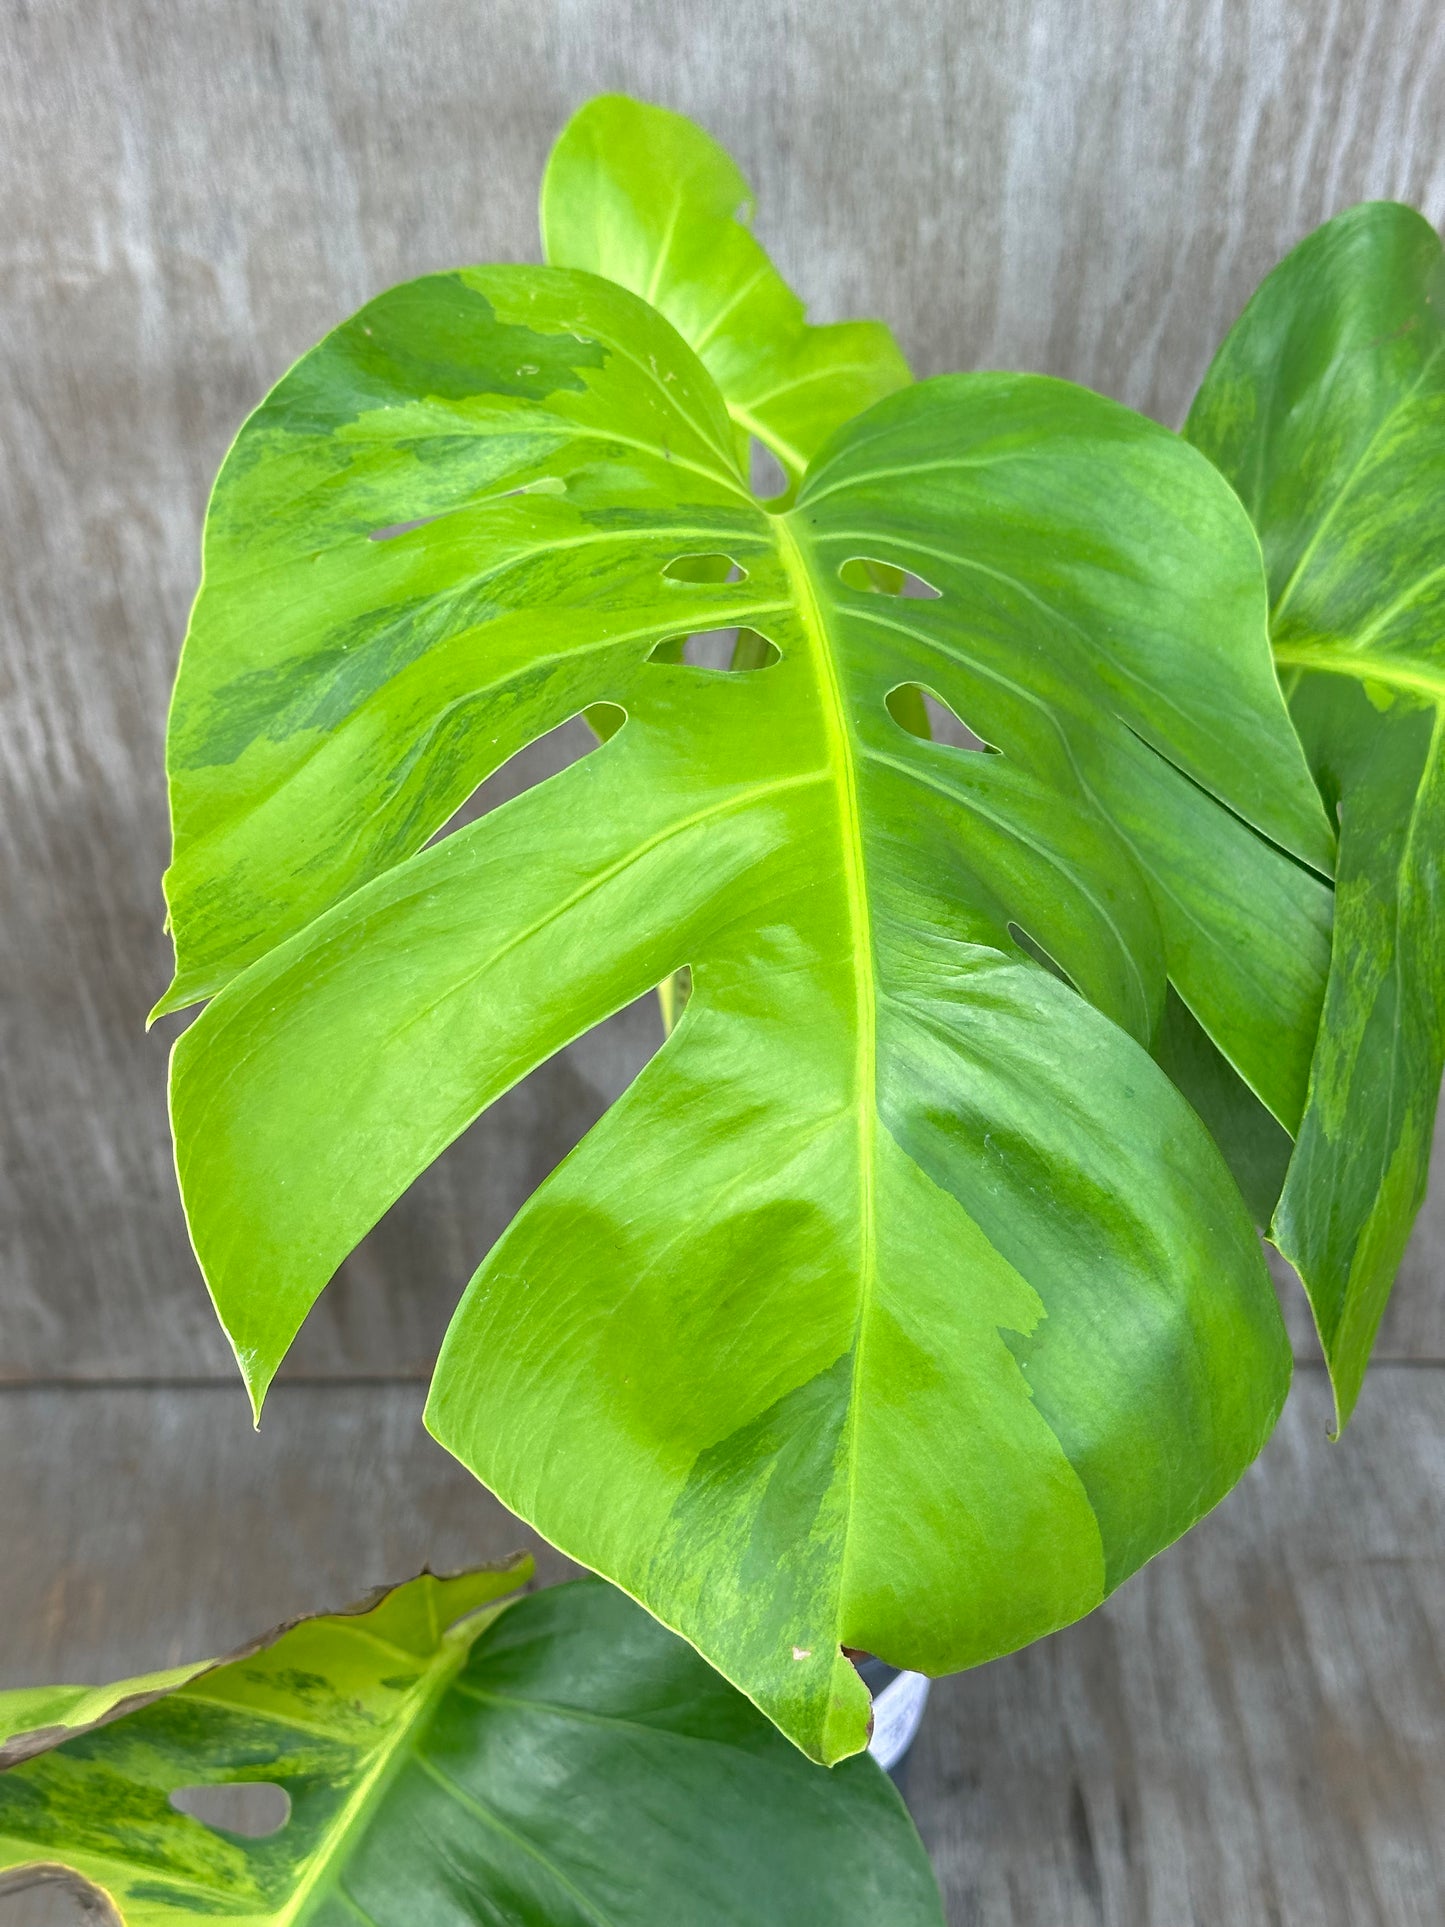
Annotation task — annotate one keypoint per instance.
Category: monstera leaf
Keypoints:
(901, 1303)
(1326, 409)
(560, 1760)
(649, 200)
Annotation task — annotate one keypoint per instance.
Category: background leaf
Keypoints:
(1326, 409)
(567, 1763)
(646, 198)
(901, 1303)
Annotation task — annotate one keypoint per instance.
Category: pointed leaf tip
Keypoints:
(643, 196)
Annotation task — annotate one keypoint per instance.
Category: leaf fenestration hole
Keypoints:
(718, 649)
(923, 714)
(767, 478)
(545, 756)
(714, 567)
(544, 485)
(495, 1166)
(1036, 950)
(673, 994)
(254, 1809)
(867, 573)
(393, 529)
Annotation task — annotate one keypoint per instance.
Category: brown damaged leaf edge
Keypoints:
(25, 1746)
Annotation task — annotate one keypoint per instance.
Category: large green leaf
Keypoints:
(1326, 409)
(901, 1303)
(560, 1762)
(649, 200)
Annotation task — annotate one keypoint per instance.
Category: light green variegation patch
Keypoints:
(649, 200)
(901, 1303)
(29, 1714)
(454, 1762)
(1326, 409)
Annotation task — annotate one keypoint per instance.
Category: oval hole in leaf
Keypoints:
(1036, 950)
(255, 1809)
(546, 755)
(715, 567)
(726, 649)
(922, 713)
(767, 478)
(866, 572)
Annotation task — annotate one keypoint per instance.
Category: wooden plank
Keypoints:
(1247, 1733)
(147, 1521)
(197, 191)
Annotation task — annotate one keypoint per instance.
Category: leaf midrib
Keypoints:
(843, 763)
(328, 1857)
(1347, 486)
(390, 1757)
(1417, 679)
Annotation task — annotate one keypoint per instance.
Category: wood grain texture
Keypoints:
(197, 190)
(1249, 1732)
(1247, 1735)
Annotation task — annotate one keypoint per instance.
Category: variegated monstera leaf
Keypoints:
(450, 1761)
(901, 1303)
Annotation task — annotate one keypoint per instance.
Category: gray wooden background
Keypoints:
(194, 190)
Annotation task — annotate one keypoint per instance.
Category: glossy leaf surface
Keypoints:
(646, 198)
(901, 1303)
(1326, 409)
(563, 1764)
